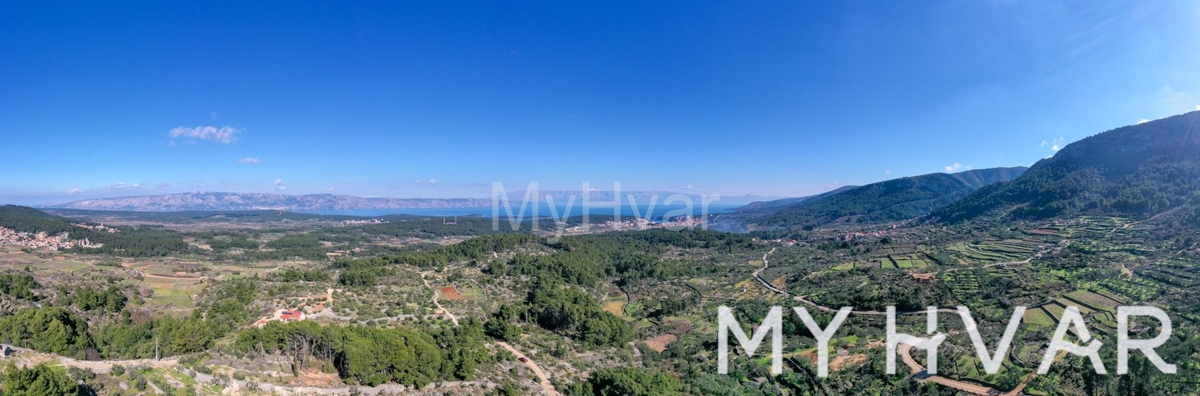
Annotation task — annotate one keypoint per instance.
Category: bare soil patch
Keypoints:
(451, 294)
(840, 362)
(659, 343)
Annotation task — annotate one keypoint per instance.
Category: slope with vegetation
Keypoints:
(887, 201)
(1137, 171)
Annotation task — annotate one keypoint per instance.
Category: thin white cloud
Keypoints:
(1142, 121)
(162, 185)
(434, 181)
(1197, 107)
(279, 185)
(690, 187)
(330, 189)
(1056, 145)
(75, 191)
(952, 168)
(222, 135)
(887, 172)
(213, 115)
(249, 160)
(122, 186)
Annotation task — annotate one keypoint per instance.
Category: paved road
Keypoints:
(758, 276)
(544, 379)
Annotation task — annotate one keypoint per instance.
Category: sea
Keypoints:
(655, 213)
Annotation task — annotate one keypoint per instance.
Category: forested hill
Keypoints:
(887, 201)
(1138, 171)
(124, 241)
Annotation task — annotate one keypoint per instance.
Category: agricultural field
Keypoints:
(910, 261)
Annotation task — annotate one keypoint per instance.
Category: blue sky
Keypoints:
(440, 99)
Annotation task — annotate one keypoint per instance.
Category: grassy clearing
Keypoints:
(172, 292)
(471, 292)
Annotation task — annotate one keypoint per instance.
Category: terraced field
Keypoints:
(1093, 301)
(1008, 250)
(1039, 317)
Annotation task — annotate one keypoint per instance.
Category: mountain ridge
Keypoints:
(887, 201)
(1137, 171)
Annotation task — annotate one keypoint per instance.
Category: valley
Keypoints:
(274, 302)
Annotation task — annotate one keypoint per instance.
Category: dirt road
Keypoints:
(906, 355)
(439, 306)
(97, 366)
(544, 379)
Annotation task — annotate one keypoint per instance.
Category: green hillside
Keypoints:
(887, 201)
(1137, 171)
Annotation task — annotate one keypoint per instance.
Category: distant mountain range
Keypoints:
(200, 201)
(257, 201)
(887, 201)
(1136, 171)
